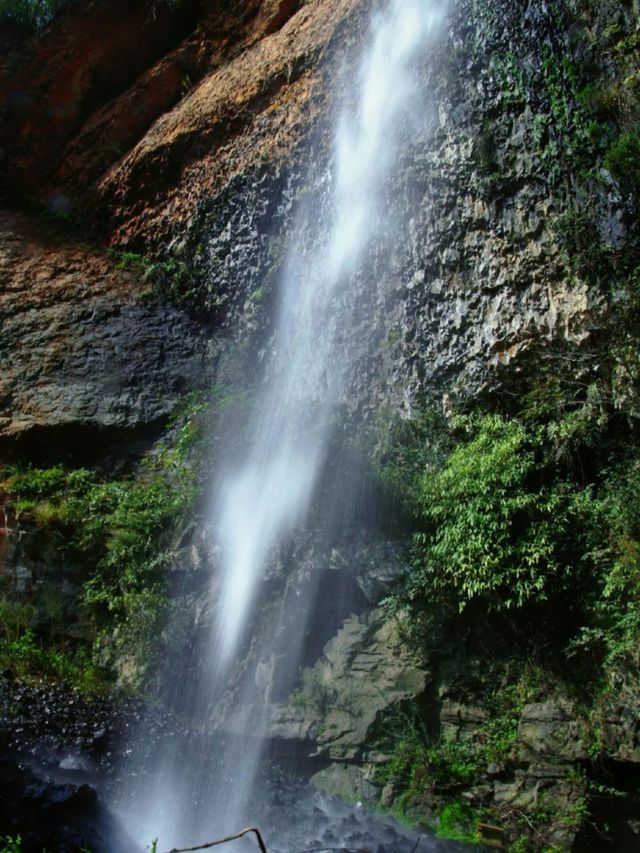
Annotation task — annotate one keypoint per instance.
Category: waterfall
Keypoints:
(265, 491)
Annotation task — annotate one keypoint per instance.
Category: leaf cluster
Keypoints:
(493, 528)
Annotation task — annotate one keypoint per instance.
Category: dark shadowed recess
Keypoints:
(109, 449)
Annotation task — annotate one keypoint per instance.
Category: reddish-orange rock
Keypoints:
(135, 110)
(52, 85)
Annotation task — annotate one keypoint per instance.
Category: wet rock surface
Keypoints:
(364, 670)
(315, 820)
(64, 755)
(58, 751)
(475, 281)
(48, 721)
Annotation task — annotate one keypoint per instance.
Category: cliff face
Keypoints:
(132, 143)
(182, 140)
(81, 346)
(195, 149)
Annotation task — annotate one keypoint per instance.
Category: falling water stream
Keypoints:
(264, 492)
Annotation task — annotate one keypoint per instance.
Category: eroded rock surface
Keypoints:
(202, 147)
(80, 344)
(363, 671)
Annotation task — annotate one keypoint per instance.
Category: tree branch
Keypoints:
(261, 844)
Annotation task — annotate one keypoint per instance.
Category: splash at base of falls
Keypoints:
(293, 817)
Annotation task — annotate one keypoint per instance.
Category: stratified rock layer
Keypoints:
(80, 344)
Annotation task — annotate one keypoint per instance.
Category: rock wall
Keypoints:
(83, 345)
(210, 174)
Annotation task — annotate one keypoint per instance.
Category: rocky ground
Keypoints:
(56, 747)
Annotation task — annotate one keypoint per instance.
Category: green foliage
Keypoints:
(172, 279)
(613, 624)
(600, 100)
(411, 445)
(526, 521)
(15, 618)
(31, 14)
(512, 80)
(622, 159)
(127, 525)
(597, 789)
(419, 763)
(565, 129)
(492, 529)
(27, 656)
(132, 261)
(582, 248)
(38, 483)
(51, 495)
(574, 133)
(458, 822)
(529, 512)
(119, 534)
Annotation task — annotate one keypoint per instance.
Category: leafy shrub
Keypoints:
(410, 447)
(27, 656)
(31, 483)
(420, 763)
(15, 618)
(128, 526)
(493, 530)
(622, 159)
(119, 536)
(540, 512)
(613, 622)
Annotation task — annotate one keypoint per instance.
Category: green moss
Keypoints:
(512, 80)
(458, 822)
